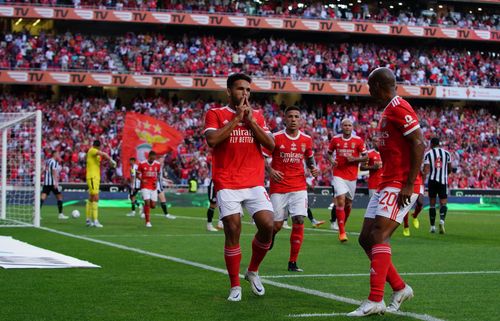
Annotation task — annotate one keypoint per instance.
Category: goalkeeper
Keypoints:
(94, 156)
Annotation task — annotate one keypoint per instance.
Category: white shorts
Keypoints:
(342, 186)
(385, 203)
(149, 194)
(422, 189)
(293, 203)
(255, 199)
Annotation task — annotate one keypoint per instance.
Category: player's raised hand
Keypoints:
(404, 196)
(240, 109)
(276, 175)
(314, 171)
(248, 110)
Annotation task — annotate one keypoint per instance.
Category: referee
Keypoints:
(51, 183)
(437, 164)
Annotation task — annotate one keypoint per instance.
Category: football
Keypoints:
(75, 214)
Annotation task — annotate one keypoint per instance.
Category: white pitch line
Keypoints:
(331, 296)
(287, 276)
(209, 234)
(309, 315)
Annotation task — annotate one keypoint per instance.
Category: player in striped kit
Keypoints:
(51, 183)
(134, 185)
(437, 164)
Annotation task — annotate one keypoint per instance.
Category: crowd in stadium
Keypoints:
(70, 124)
(411, 14)
(264, 57)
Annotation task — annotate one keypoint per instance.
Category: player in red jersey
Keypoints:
(237, 134)
(374, 165)
(288, 182)
(149, 172)
(402, 150)
(349, 151)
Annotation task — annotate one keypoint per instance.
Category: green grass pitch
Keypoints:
(155, 285)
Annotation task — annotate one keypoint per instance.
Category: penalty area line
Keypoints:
(317, 293)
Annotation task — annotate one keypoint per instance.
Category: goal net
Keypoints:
(20, 166)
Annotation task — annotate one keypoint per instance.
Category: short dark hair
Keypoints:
(290, 108)
(434, 141)
(152, 153)
(53, 152)
(131, 159)
(237, 76)
(96, 143)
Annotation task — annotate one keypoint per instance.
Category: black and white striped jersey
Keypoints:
(50, 165)
(438, 160)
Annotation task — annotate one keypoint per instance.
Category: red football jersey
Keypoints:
(375, 174)
(398, 120)
(288, 157)
(238, 161)
(149, 174)
(353, 146)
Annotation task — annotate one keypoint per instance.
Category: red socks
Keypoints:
(381, 260)
(259, 251)
(232, 256)
(393, 277)
(340, 219)
(146, 212)
(296, 239)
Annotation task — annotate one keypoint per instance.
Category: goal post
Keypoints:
(20, 168)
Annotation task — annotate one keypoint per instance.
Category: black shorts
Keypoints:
(47, 189)
(132, 192)
(212, 197)
(436, 188)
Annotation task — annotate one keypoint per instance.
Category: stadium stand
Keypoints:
(68, 121)
(409, 13)
(260, 57)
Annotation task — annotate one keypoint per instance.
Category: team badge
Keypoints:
(293, 147)
(353, 145)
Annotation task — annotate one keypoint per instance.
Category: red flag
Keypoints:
(142, 134)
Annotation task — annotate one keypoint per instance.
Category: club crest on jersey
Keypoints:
(353, 145)
(293, 147)
(303, 147)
